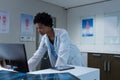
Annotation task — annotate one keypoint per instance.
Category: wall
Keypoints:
(97, 10)
(16, 7)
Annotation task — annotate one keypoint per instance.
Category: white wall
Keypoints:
(16, 7)
(97, 10)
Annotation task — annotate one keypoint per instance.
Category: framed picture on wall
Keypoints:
(26, 33)
(112, 28)
(87, 27)
(87, 30)
(4, 22)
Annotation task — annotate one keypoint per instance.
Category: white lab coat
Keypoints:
(68, 54)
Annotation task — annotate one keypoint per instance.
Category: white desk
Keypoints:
(83, 73)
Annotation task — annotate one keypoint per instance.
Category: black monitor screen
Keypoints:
(13, 56)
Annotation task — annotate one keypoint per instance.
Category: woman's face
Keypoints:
(42, 29)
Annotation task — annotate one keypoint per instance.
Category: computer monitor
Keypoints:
(13, 56)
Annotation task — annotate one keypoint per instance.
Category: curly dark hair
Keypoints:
(43, 18)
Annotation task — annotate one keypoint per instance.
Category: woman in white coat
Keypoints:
(57, 42)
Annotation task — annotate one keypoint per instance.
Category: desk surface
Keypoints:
(84, 73)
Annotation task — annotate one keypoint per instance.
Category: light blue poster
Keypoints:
(87, 27)
(26, 25)
(4, 22)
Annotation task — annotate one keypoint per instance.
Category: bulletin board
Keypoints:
(87, 30)
(112, 28)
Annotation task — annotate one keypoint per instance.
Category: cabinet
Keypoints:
(109, 65)
(114, 71)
